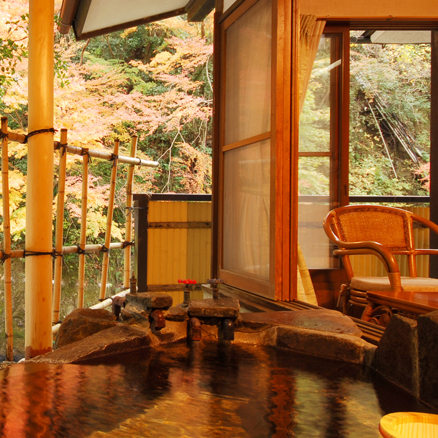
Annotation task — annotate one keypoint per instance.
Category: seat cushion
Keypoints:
(409, 284)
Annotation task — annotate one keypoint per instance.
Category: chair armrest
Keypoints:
(371, 247)
(429, 251)
(426, 222)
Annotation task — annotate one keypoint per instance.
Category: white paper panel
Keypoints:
(108, 13)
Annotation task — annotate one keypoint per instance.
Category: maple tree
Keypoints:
(154, 81)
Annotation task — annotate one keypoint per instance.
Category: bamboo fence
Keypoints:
(59, 250)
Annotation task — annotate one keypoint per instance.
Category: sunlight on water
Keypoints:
(207, 390)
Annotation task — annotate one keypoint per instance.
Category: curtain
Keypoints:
(310, 35)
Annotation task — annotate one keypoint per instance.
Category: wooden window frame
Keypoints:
(333, 278)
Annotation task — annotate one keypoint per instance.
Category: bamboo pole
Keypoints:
(92, 153)
(38, 295)
(59, 228)
(9, 329)
(109, 221)
(83, 237)
(15, 254)
(91, 248)
(19, 253)
(20, 138)
(105, 155)
(128, 234)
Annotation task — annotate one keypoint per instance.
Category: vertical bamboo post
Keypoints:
(38, 295)
(59, 227)
(128, 234)
(83, 237)
(9, 330)
(109, 220)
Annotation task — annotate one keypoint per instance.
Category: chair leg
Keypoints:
(380, 315)
(343, 299)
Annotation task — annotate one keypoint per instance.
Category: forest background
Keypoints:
(156, 81)
(153, 81)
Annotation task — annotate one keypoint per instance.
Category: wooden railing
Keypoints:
(82, 248)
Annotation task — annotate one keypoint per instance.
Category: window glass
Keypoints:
(246, 242)
(248, 74)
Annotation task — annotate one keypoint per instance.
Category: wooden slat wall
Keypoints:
(372, 266)
(199, 242)
(178, 253)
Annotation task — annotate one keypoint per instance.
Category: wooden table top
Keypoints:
(414, 302)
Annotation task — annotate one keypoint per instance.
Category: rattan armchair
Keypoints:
(383, 232)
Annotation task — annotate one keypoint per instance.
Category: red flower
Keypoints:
(188, 281)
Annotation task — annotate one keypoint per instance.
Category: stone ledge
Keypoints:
(322, 320)
(342, 347)
(214, 308)
(149, 300)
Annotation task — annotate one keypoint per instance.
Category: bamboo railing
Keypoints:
(59, 250)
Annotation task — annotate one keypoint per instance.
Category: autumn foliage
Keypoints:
(154, 81)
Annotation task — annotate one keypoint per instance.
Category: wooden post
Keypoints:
(141, 203)
(109, 220)
(433, 269)
(59, 227)
(9, 330)
(128, 234)
(38, 291)
(83, 237)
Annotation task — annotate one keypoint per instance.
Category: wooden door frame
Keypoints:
(284, 152)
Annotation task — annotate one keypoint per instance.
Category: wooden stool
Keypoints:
(409, 425)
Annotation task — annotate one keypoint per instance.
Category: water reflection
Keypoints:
(207, 390)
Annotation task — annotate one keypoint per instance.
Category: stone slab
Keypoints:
(342, 347)
(214, 308)
(116, 340)
(428, 357)
(319, 319)
(82, 323)
(397, 354)
(150, 300)
(177, 313)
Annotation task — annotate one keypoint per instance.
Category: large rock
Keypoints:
(116, 340)
(428, 357)
(82, 323)
(322, 320)
(397, 354)
(134, 315)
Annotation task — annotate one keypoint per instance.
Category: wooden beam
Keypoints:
(216, 144)
(197, 10)
(179, 225)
